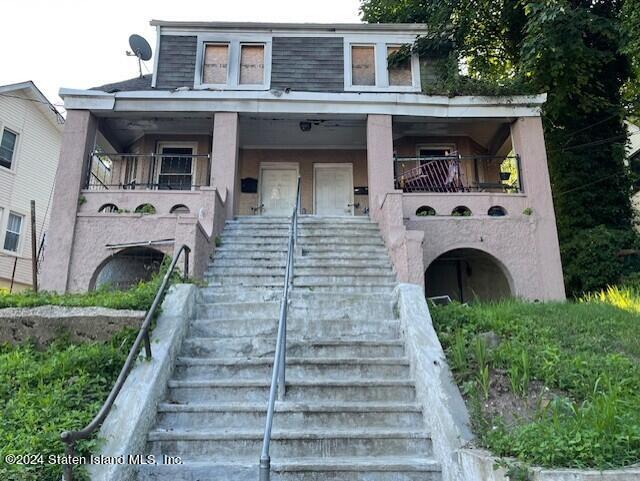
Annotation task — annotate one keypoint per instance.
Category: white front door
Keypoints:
(333, 189)
(278, 190)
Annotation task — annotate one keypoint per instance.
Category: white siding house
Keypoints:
(30, 137)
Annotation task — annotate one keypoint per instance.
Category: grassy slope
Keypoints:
(588, 350)
(43, 393)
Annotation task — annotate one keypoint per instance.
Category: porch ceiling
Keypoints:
(122, 130)
(485, 132)
(286, 131)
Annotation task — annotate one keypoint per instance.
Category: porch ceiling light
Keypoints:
(305, 126)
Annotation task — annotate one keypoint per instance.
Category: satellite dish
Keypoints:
(139, 48)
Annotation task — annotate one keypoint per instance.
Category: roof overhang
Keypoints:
(304, 102)
(34, 94)
(406, 28)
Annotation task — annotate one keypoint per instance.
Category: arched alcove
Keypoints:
(126, 268)
(467, 275)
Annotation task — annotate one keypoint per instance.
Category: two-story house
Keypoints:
(234, 113)
(30, 139)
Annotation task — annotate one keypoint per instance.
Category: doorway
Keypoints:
(333, 189)
(278, 183)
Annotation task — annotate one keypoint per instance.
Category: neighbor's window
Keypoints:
(363, 65)
(12, 237)
(400, 73)
(216, 63)
(7, 148)
(251, 64)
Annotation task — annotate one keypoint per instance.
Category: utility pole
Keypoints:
(34, 247)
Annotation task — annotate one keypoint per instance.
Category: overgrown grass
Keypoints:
(138, 297)
(43, 393)
(588, 350)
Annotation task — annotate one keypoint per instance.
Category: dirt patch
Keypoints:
(512, 408)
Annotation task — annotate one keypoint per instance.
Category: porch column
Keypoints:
(379, 160)
(224, 159)
(77, 143)
(527, 136)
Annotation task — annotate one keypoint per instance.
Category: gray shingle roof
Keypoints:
(130, 85)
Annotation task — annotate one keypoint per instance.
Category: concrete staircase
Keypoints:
(350, 412)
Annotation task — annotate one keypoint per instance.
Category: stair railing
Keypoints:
(278, 378)
(70, 437)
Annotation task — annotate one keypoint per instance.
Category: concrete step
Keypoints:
(278, 232)
(303, 280)
(369, 330)
(243, 241)
(380, 468)
(250, 346)
(240, 294)
(221, 443)
(300, 262)
(299, 308)
(308, 390)
(318, 228)
(322, 270)
(203, 368)
(290, 415)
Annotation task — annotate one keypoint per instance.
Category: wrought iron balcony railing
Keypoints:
(455, 173)
(117, 171)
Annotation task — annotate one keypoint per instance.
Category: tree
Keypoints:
(582, 53)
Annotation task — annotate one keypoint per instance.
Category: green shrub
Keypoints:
(43, 393)
(588, 352)
(591, 259)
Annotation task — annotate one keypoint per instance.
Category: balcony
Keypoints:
(175, 169)
(458, 174)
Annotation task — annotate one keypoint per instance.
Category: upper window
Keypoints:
(251, 64)
(216, 63)
(12, 236)
(367, 68)
(363, 65)
(234, 63)
(7, 148)
(399, 73)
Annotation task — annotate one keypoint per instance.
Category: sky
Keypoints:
(82, 43)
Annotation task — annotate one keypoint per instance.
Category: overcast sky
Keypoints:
(81, 44)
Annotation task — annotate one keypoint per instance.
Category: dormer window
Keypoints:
(233, 63)
(367, 68)
(216, 63)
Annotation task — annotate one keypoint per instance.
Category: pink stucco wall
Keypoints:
(77, 142)
(525, 246)
(224, 162)
(94, 231)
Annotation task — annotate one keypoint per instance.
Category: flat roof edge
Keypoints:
(405, 27)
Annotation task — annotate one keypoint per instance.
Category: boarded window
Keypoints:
(399, 73)
(216, 63)
(363, 65)
(251, 64)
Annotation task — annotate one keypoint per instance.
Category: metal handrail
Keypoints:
(278, 381)
(70, 437)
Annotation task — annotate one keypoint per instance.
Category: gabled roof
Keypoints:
(34, 95)
(130, 85)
